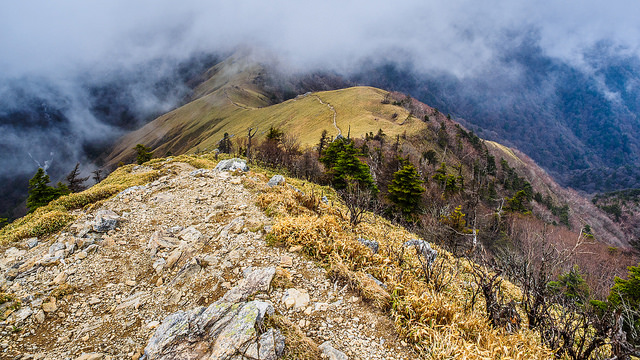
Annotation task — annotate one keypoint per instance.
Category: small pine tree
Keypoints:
(225, 144)
(443, 136)
(405, 189)
(625, 296)
(144, 154)
(75, 181)
(275, 135)
(572, 286)
(518, 203)
(341, 159)
(40, 193)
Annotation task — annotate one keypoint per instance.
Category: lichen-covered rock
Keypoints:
(276, 180)
(232, 165)
(225, 329)
(105, 220)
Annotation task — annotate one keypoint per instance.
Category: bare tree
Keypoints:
(97, 175)
(358, 201)
(250, 137)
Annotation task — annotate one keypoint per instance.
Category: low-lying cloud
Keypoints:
(71, 55)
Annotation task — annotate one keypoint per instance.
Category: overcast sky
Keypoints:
(57, 38)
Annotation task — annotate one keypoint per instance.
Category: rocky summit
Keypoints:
(179, 269)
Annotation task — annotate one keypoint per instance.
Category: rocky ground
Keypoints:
(172, 249)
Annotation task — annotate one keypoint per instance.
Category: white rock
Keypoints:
(190, 234)
(276, 180)
(331, 353)
(232, 165)
(296, 298)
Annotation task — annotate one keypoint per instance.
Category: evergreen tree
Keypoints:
(405, 188)
(144, 154)
(443, 136)
(40, 193)
(518, 203)
(625, 296)
(75, 181)
(572, 286)
(225, 144)
(275, 135)
(341, 160)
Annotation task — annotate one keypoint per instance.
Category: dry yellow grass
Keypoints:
(56, 215)
(297, 345)
(439, 324)
(235, 107)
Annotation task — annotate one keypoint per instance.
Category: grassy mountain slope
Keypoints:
(229, 100)
(232, 97)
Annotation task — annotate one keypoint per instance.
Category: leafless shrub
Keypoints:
(358, 201)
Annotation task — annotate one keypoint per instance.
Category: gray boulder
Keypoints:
(32, 242)
(226, 329)
(276, 180)
(424, 249)
(371, 244)
(232, 165)
(105, 220)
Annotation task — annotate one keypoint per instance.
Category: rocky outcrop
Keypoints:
(232, 165)
(424, 249)
(225, 329)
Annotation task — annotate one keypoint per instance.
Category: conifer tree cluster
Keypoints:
(341, 160)
(40, 193)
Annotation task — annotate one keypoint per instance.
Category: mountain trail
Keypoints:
(125, 280)
(335, 114)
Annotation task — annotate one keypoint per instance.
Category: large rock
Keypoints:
(190, 234)
(232, 165)
(276, 180)
(226, 329)
(105, 220)
(371, 244)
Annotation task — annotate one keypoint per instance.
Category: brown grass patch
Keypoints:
(297, 345)
(438, 323)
